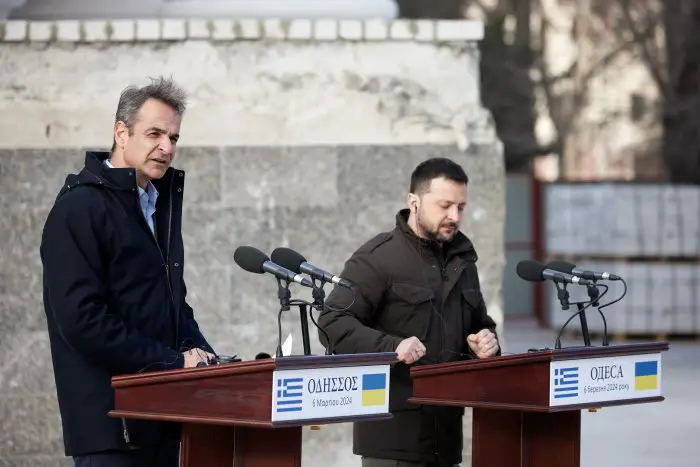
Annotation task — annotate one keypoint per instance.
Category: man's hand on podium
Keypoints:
(196, 356)
(484, 344)
(410, 350)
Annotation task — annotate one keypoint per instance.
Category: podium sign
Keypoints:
(327, 393)
(606, 379)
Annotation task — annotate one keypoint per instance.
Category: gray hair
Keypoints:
(132, 98)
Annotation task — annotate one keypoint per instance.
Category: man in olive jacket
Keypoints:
(417, 294)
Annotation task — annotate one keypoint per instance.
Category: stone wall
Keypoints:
(299, 134)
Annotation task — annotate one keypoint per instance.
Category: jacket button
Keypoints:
(179, 190)
(177, 265)
(182, 174)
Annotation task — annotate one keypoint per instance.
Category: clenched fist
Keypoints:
(410, 350)
(484, 344)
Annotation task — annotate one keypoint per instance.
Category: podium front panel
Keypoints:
(329, 393)
(605, 380)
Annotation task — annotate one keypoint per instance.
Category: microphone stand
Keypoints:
(593, 294)
(318, 295)
(285, 297)
(584, 324)
(563, 296)
(304, 329)
(286, 302)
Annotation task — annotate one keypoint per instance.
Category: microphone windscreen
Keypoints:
(250, 259)
(262, 355)
(530, 270)
(561, 266)
(287, 258)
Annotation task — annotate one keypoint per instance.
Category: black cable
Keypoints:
(329, 350)
(594, 295)
(624, 292)
(595, 302)
(284, 296)
(324, 308)
(278, 352)
(340, 310)
(606, 341)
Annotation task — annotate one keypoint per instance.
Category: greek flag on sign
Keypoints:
(289, 392)
(565, 382)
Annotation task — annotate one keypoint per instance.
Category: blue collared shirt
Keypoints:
(147, 200)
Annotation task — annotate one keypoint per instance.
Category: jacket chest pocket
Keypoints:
(471, 306)
(409, 310)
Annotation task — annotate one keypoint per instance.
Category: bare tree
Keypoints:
(507, 87)
(681, 148)
(675, 68)
(603, 31)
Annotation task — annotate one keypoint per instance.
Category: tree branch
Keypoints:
(604, 61)
(613, 54)
(641, 40)
(546, 81)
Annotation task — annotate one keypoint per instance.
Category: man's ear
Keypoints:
(121, 134)
(412, 200)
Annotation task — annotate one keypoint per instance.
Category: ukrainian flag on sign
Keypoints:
(373, 389)
(646, 375)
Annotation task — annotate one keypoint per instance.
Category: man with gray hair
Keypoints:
(114, 292)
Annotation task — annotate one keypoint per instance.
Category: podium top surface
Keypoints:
(550, 355)
(266, 365)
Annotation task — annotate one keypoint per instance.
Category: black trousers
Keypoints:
(164, 455)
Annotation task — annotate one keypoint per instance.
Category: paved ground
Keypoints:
(665, 434)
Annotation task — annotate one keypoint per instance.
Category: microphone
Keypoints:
(253, 260)
(534, 271)
(570, 268)
(292, 260)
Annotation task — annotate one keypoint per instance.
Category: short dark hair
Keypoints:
(132, 98)
(437, 167)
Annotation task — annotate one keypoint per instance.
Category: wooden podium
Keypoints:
(250, 414)
(527, 407)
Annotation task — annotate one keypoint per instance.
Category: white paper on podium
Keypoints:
(287, 346)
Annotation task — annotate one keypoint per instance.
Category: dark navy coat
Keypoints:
(114, 297)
